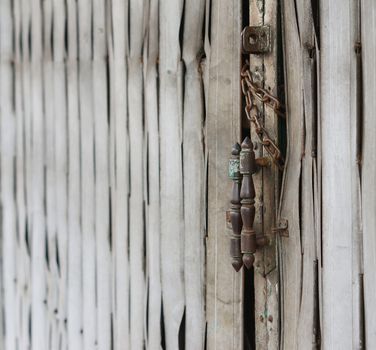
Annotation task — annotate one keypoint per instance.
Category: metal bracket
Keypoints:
(256, 39)
(282, 229)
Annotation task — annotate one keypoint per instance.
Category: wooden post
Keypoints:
(264, 71)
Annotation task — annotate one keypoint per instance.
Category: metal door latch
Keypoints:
(256, 39)
(282, 229)
(243, 240)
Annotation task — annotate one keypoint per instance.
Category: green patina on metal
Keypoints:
(233, 168)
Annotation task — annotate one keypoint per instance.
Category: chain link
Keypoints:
(251, 91)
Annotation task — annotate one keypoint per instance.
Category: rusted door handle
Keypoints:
(243, 240)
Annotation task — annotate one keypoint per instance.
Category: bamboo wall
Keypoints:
(102, 174)
(117, 118)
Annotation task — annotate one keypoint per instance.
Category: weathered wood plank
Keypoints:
(26, 109)
(258, 71)
(368, 15)
(264, 72)
(38, 262)
(120, 182)
(74, 283)
(8, 227)
(153, 217)
(50, 193)
(136, 203)
(102, 230)
(61, 165)
(291, 248)
(22, 256)
(120, 189)
(194, 177)
(358, 328)
(271, 186)
(170, 114)
(224, 285)
(337, 99)
(308, 323)
(87, 175)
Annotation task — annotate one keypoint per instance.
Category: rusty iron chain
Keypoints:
(251, 90)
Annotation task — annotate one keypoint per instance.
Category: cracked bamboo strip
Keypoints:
(153, 214)
(74, 279)
(120, 181)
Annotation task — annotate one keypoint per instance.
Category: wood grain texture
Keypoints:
(89, 310)
(53, 280)
(22, 256)
(290, 248)
(307, 326)
(81, 186)
(300, 252)
(368, 15)
(224, 285)
(102, 199)
(8, 204)
(38, 262)
(194, 177)
(136, 201)
(271, 186)
(171, 174)
(61, 165)
(74, 280)
(338, 157)
(154, 336)
(119, 154)
(264, 71)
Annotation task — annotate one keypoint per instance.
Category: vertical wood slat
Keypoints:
(259, 70)
(307, 321)
(26, 109)
(74, 283)
(358, 330)
(300, 251)
(8, 219)
(224, 285)
(264, 71)
(87, 175)
(64, 106)
(153, 221)
(120, 182)
(194, 177)
(170, 107)
(290, 248)
(120, 187)
(50, 191)
(61, 165)
(22, 254)
(338, 157)
(38, 263)
(101, 169)
(271, 188)
(368, 16)
(136, 204)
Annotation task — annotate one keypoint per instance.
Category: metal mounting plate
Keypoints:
(256, 39)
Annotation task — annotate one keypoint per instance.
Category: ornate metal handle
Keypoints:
(235, 217)
(247, 195)
(243, 240)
